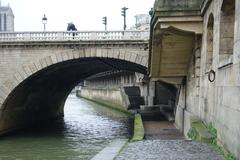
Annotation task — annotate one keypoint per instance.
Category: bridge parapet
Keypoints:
(74, 36)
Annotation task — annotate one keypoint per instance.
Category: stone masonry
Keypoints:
(209, 86)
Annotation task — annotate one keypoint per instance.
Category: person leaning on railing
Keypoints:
(71, 27)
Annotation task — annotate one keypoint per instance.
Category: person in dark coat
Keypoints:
(71, 27)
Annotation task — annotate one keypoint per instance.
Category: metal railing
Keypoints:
(73, 36)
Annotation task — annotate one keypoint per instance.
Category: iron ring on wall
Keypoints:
(211, 76)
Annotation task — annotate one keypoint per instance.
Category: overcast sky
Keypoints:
(85, 14)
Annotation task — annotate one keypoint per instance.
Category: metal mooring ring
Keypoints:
(211, 76)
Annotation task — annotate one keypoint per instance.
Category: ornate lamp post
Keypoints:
(44, 21)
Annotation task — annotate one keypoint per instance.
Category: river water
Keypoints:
(85, 130)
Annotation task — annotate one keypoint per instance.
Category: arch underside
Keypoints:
(42, 95)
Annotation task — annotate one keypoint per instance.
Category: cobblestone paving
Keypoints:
(168, 150)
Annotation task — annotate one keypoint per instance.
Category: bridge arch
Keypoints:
(37, 89)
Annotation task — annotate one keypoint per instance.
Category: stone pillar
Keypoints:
(144, 91)
(181, 102)
(151, 93)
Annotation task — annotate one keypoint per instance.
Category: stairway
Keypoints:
(134, 96)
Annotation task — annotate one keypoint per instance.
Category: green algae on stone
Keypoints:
(138, 133)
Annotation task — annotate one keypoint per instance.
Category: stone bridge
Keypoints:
(39, 69)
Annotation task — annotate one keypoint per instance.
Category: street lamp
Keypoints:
(44, 21)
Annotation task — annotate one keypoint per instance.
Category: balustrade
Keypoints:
(74, 36)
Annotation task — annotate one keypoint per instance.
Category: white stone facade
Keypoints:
(211, 90)
(142, 22)
(217, 102)
(6, 19)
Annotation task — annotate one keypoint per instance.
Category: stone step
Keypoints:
(160, 111)
(132, 91)
(136, 101)
(199, 131)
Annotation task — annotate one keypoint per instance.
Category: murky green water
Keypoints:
(85, 130)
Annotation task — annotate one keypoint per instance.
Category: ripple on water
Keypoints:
(85, 130)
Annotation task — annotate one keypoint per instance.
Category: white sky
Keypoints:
(85, 14)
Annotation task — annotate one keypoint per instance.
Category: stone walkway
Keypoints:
(161, 130)
(165, 142)
(109, 152)
(168, 150)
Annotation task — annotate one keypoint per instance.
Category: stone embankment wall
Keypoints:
(111, 97)
(213, 82)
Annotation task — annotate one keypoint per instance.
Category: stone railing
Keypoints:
(73, 36)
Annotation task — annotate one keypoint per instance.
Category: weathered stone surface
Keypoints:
(39, 77)
(180, 5)
(214, 102)
(110, 97)
(168, 150)
(138, 131)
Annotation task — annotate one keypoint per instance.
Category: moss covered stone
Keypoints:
(138, 133)
(199, 131)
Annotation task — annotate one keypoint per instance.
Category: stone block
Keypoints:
(87, 52)
(22, 73)
(127, 56)
(54, 59)
(3, 95)
(99, 52)
(197, 72)
(138, 133)
(197, 62)
(9, 85)
(1, 102)
(70, 54)
(150, 100)
(48, 60)
(236, 54)
(139, 59)
(5, 90)
(229, 98)
(32, 68)
(38, 65)
(199, 131)
(227, 124)
(198, 53)
(144, 61)
(14, 81)
(116, 53)
(18, 77)
(93, 52)
(75, 54)
(27, 70)
(180, 5)
(43, 63)
(227, 28)
(64, 56)
(133, 57)
(110, 53)
(105, 52)
(187, 121)
(122, 54)
(226, 46)
(179, 118)
(82, 53)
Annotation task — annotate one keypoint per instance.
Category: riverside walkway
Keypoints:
(168, 150)
(164, 142)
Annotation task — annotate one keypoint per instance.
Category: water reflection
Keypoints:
(85, 129)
